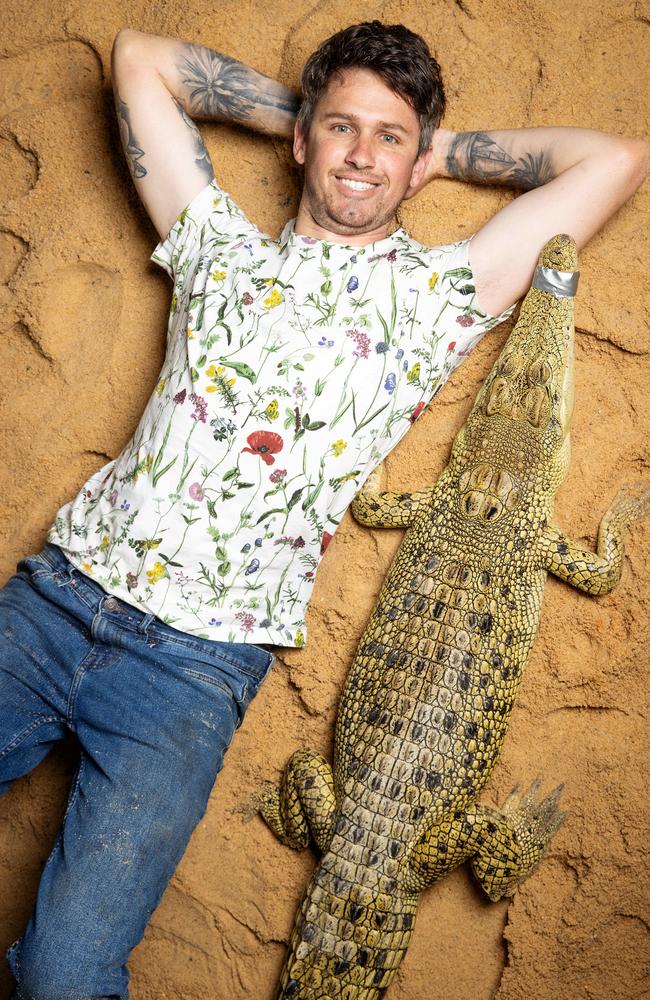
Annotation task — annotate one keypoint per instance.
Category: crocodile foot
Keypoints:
(631, 504)
(520, 835)
(304, 806)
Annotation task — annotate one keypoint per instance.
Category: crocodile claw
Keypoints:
(539, 818)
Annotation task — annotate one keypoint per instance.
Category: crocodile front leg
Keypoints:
(504, 846)
(597, 574)
(388, 510)
(304, 803)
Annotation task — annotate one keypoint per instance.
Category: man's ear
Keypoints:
(299, 143)
(420, 173)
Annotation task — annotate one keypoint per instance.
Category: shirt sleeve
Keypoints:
(211, 217)
(458, 320)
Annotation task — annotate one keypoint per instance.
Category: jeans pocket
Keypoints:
(228, 676)
(35, 565)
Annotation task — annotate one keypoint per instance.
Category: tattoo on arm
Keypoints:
(132, 150)
(223, 88)
(532, 170)
(202, 159)
(476, 156)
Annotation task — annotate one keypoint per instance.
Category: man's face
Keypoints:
(360, 158)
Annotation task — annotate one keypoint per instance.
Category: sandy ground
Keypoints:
(82, 323)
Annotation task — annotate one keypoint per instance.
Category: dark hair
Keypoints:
(399, 56)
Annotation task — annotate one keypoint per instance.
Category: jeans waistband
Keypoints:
(128, 617)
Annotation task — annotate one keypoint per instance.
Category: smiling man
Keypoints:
(293, 367)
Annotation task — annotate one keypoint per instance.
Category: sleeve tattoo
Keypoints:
(132, 149)
(476, 156)
(223, 88)
(201, 157)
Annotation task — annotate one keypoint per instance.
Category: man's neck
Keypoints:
(333, 232)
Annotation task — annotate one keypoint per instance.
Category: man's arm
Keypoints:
(160, 85)
(575, 179)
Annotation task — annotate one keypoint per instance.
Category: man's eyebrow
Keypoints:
(387, 126)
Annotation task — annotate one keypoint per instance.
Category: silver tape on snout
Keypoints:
(563, 284)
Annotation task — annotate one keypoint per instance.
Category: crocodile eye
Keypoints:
(533, 405)
(540, 372)
(499, 398)
(509, 364)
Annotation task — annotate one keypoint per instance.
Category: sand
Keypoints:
(82, 331)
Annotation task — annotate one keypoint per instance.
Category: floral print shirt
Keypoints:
(293, 367)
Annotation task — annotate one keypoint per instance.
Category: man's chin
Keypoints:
(357, 221)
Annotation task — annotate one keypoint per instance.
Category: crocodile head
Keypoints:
(516, 438)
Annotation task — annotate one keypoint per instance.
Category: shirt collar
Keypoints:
(289, 240)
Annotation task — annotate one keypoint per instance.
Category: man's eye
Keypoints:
(389, 138)
(341, 128)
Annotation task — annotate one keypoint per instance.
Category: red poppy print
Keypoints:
(266, 444)
(325, 540)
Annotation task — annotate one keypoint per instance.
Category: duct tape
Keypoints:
(562, 284)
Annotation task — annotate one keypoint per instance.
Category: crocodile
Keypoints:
(429, 696)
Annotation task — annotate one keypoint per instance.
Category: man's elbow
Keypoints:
(632, 162)
(128, 47)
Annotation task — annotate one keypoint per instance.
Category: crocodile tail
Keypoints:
(347, 941)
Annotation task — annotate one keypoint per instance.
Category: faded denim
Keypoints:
(154, 711)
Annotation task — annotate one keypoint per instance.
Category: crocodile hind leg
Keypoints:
(503, 846)
(597, 573)
(304, 804)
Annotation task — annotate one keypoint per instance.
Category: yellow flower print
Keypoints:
(432, 280)
(218, 275)
(160, 388)
(190, 333)
(272, 410)
(414, 373)
(300, 638)
(143, 466)
(218, 374)
(104, 543)
(157, 573)
(338, 447)
(274, 299)
(87, 567)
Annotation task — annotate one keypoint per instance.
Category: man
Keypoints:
(293, 367)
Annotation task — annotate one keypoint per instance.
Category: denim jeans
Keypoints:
(154, 711)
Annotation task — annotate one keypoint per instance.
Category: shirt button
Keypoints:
(111, 604)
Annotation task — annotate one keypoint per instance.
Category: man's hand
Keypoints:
(575, 180)
(160, 84)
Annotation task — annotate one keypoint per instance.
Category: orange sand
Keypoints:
(83, 319)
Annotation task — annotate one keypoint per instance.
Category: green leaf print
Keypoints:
(295, 497)
(244, 370)
(268, 513)
(458, 272)
(161, 472)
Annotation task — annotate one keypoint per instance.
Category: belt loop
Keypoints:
(146, 621)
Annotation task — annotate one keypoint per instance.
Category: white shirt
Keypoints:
(293, 367)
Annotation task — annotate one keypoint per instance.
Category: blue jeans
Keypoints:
(154, 711)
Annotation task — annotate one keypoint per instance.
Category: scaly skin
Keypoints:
(428, 699)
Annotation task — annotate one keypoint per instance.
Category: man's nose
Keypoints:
(360, 154)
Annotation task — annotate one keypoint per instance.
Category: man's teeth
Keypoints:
(356, 185)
